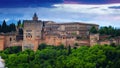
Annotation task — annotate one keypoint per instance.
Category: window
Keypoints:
(10, 39)
(28, 35)
(28, 30)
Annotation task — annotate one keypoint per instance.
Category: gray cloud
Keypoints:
(66, 13)
(114, 7)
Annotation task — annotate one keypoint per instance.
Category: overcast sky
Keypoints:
(102, 12)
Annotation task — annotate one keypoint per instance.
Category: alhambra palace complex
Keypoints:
(36, 32)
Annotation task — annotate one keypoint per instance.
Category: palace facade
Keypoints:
(36, 32)
(52, 33)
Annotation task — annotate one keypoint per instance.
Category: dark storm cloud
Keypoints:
(92, 1)
(28, 3)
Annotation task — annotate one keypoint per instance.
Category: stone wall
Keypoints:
(94, 38)
(9, 40)
(2, 42)
(108, 42)
(54, 40)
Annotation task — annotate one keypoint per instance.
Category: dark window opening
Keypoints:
(10, 39)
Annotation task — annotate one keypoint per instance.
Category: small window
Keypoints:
(28, 35)
(10, 39)
(28, 30)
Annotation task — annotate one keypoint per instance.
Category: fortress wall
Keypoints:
(2, 42)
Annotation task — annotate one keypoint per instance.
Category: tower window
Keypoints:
(10, 39)
(28, 35)
(28, 30)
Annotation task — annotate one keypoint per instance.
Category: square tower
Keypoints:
(32, 33)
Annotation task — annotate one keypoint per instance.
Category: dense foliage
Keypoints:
(98, 56)
(109, 31)
(93, 30)
(106, 31)
(7, 28)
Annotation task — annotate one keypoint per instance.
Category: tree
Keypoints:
(61, 46)
(19, 23)
(12, 50)
(4, 27)
(42, 46)
(7, 28)
(20, 31)
(98, 56)
(93, 30)
(69, 50)
(12, 27)
(0, 28)
(111, 31)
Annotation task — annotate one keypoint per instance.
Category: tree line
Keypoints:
(98, 56)
(113, 32)
(5, 28)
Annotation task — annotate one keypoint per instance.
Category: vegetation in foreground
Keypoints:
(98, 56)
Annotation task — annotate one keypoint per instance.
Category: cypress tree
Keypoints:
(69, 50)
(4, 27)
(19, 23)
(20, 31)
(0, 28)
(12, 27)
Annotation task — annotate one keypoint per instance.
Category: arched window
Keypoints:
(29, 35)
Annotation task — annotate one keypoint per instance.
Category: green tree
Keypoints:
(0, 28)
(61, 46)
(42, 46)
(20, 31)
(69, 50)
(111, 31)
(93, 30)
(12, 27)
(19, 23)
(14, 49)
(4, 27)
(98, 56)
